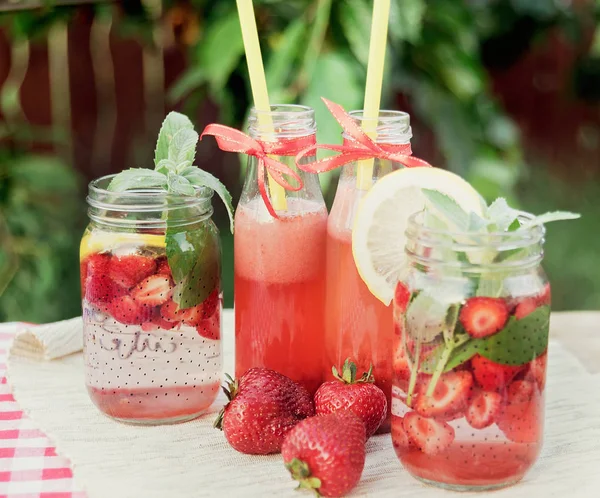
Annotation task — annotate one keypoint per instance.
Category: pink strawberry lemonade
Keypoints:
(280, 290)
(358, 325)
(146, 361)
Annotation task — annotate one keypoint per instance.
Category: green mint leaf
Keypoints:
(180, 185)
(520, 341)
(553, 216)
(194, 258)
(202, 178)
(462, 354)
(182, 147)
(165, 166)
(431, 220)
(514, 226)
(476, 222)
(500, 215)
(447, 209)
(137, 178)
(173, 123)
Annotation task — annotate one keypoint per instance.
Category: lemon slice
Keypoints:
(378, 236)
(98, 241)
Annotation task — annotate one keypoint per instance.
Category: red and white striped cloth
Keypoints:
(29, 465)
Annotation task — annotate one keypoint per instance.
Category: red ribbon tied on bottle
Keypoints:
(357, 147)
(232, 140)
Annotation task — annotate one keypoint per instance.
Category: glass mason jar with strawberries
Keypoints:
(471, 317)
(151, 293)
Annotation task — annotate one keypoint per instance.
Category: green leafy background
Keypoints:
(444, 61)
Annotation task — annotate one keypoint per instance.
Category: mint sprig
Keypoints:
(192, 252)
(173, 165)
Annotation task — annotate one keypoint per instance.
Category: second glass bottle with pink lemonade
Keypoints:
(280, 260)
(357, 324)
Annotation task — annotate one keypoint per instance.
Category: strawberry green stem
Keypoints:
(441, 366)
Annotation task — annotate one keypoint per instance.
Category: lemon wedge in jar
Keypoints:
(378, 235)
(98, 241)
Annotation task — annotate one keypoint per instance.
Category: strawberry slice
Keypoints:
(126, 310)
(401, 369)
(429, 435)
(520, 391)
(401, 297)
(492, 376)
(483, 316)
(537, 371)
(100, 290)
(399, 436)
(129, 270)
(210, 328)
(170, 312)
(525, 307)
(160, 322)
(449, 397)
(483, 409)
(521, 419)
(162, 267)
(153, 291)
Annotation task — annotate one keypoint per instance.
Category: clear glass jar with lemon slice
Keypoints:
(471, 320)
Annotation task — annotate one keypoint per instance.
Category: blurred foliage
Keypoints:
(439, 56)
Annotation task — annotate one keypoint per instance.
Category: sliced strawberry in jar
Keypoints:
(520, 391)
(153, 291)
(170, 311)
(449, 397)
(162, 267)
(429, 435)
(210, 328)
(401, 297)
(160, 322)
(401, 369)
(483, 409)
(126, 310)
(483, 316)
(129, 270)
(100, 289)
(492, 376)
(520, 420)
(526, 307)
(400, 438)
(537, 371)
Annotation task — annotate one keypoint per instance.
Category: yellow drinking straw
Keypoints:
(258, 83)
(377, 45)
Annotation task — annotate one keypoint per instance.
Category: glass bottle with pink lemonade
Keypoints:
(280, 261)
(358, 325)
(151, 287)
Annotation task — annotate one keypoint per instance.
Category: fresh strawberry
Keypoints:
(483, 316)
(492, 376)
(263, 407)
(153, 291)
(449, 397)
(401, 297)
(126, 310)
(537, 371)
(483, 409)
(326, 453)
(520, 391)
(210, 328)
(429, 435)
(359, 396)
(162, 267)
(525, 307)
(211, 303)
(94, 265)
(170, 312)
(522, 418)
(101, 290)
(129, 270)
(399, 436)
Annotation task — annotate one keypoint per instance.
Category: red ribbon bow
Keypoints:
(358, 147)
(232, 140)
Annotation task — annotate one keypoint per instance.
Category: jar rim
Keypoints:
(499, 240)
(151, 198)
(390, 126)
(285, 121)
(281, 110)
